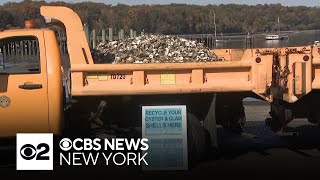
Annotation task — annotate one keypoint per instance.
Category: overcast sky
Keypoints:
(203, 2)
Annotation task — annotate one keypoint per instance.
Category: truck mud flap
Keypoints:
(210, 123)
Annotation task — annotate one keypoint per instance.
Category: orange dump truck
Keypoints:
(33, 97)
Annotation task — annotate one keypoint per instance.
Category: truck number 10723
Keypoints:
(118, 76)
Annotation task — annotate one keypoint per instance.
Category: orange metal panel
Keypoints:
(28, 109)
(299, 78)
(315, 68)
(150, 82)
(76, 39)
(162, 66)
(55, 98)
(197, 76)
(164, 89)
(299, 82)
(149, 78)
(261, 76)
(138, 78)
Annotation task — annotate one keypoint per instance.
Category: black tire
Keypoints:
(197, 139)
(230, 112)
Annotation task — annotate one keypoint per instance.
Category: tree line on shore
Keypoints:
(173, 18)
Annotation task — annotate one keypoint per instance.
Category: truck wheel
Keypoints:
(233, 119)
(230, 112)
(197, 139)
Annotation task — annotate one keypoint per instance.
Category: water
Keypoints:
(304, 38)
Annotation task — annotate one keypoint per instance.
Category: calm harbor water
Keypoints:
(303, 38)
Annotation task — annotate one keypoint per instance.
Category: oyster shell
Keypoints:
(152, 49)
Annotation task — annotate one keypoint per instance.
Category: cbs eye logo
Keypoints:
(28, 151)
(34, 151)
(65, 144)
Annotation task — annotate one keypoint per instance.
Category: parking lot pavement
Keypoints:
(263, 153)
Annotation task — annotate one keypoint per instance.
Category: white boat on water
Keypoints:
(220, 41)
(275, 37)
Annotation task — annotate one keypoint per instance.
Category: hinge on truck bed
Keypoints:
(290, 80)
(266, 52)
(303, 50)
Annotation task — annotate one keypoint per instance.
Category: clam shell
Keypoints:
(152, 49)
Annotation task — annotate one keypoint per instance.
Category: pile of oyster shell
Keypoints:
(152, 49)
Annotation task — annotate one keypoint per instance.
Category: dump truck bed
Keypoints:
(90, 79)
(287, 73)
(166, 78)
(230, 75)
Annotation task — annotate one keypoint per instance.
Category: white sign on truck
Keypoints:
(166, 129)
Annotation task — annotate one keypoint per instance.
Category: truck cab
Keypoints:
(30, 82)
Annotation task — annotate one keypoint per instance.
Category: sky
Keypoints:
(199, 2)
